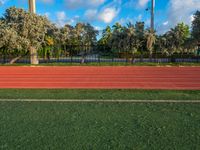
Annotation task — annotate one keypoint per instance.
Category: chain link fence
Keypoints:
(96, 54)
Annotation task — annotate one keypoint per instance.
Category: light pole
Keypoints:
(152, 14)
(33, 50)
(32, 7)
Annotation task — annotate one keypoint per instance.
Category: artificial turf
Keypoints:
(99, 126)
(122, 94)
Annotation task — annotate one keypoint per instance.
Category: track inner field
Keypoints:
(101, 77)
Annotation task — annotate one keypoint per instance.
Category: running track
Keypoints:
(101, 77)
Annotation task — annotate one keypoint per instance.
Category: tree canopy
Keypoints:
(196, 27)
(23, 33)
(27, 31)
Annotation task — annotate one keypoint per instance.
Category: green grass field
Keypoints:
(99, 125)
(74, 126)
(99, 94)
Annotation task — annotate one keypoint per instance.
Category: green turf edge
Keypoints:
(97, 94)
(106, 64)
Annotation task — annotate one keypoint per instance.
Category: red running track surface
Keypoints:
(101, 77)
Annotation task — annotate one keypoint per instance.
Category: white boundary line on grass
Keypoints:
(99, 101)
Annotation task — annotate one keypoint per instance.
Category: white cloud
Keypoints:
(61, 15)
(95, 2)
(2, 2)
(165, 23)
(74, 4)
(61, 18)
(108, 14)
(47, 14)
(143, 3)
(148, 22)
(73, 20)
(191, 18)
(139, 18)
(70, 21)
(90, 14)
(47, 1)
(124, 21)
(138, 4)
(98, 28)
(181, 11)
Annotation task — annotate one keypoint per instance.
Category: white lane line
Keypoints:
(99, 101)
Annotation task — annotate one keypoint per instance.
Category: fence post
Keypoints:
(99, 60)
(71, 53)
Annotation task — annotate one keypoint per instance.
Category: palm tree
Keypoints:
(196, 27)
(107, 32)
(117, 39)
(130, 40)
(150, 41)
(47, 47)
(160, 44)
(140, 38)
(104, 42)
(175, 38)
(106, 36)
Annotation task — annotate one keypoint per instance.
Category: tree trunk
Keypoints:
(150, 57)
(133, 59)
(34, 56)
(4, 56)
(83, 60)
(83, 57)
(141, 57)
(14, 60)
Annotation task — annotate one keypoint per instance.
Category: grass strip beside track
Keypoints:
(50, 125)
(91, 94)
(107, 64)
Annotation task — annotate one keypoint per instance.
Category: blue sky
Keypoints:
(106, 12)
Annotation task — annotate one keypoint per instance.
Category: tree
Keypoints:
(106, 35)
(150, 41)
(28, 26)
(196, 27)
(12, 43)
(117, 39)
(181, 33)
(174, 40)
(78, 34)
(63, 38)
(104, 42)
(84, 37)
(66, 34)
(130, 40)
(160, 45)
(140, 38)
(47, 46)
(89, 39)
(90, 34)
